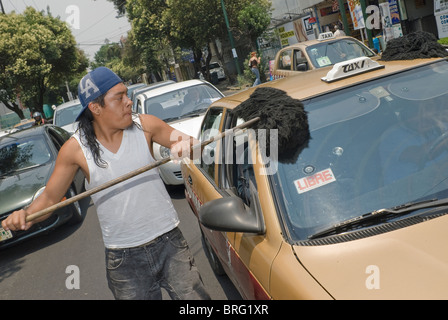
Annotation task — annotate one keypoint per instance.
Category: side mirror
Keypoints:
(230, 214)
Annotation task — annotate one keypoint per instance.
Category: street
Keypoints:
(46, 267)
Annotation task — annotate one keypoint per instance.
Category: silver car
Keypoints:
(65, 115)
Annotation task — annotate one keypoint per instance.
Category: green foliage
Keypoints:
(255, 18)
(444, 41)
(107, 53)
(38, 53)
(160, 28)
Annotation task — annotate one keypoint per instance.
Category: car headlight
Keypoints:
(38, 193)
(164, 152)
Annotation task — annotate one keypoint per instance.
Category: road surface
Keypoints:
(68, 263)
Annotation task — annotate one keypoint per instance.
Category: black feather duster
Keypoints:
(277, 110)
(415, 45)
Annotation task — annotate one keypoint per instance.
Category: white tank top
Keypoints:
(134, 211)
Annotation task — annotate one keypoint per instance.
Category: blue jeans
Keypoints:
(257, 76)
(139, 273)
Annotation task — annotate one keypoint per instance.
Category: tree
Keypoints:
(123, 59)
(107, 53)
(254, 19)
(38, 52)
(148, 31)
(192, 24)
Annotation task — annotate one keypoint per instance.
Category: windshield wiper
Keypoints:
(171, 119)
(194, 113)
(376, 215)
(17, 171)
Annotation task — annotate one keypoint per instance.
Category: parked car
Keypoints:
(64, 115)
(27, 160)
(360, 213)
(182, 105)
(315, 54)
(215, 67)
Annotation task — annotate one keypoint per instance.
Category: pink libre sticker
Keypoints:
(317, 180)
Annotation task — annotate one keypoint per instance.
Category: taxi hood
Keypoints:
(409, 263)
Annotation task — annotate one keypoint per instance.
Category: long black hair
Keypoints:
(87, 133)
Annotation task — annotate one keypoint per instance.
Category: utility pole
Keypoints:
(344, 17)
(3, 9)
(364, 14)
(232, 44)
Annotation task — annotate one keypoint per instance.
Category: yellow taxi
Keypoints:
(361, 212)
(326, 51)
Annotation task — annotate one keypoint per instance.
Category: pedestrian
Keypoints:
(254, 61)
(145, 250)
(338, 32)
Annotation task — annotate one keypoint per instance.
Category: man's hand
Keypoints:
(182, 149)
(16, 221)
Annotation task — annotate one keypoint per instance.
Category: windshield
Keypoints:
(23, 154)
(214, 65)
(374, 145)
(331, 52)
(182, 103)
(67, 115)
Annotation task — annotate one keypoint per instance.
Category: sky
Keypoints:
(91, 21)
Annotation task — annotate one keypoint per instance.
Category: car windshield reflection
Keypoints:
(374, 145)
(329, 53)
(23, 154)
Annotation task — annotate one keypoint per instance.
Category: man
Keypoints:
(338, 32)
(144, 248)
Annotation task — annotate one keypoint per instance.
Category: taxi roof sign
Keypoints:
(325, 36)
(350, 68)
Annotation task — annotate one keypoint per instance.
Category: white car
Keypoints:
(216, 67)
(65, 115)
(182, 105)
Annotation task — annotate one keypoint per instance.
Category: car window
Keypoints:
(23, 154)
(238, 163)
(210, 128)
(374, 145)
(331, 52)
(300, 61)
(181, 103)
(67, 115)
(284, 62)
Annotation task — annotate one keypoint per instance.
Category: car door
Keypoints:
(283, 63)
(250, 255)
(200, 181)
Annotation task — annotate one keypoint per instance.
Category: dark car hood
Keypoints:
(18, 190)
